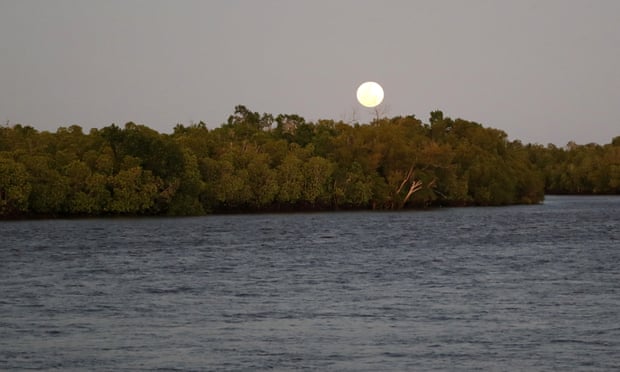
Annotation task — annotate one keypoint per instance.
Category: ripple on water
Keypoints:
(515, 288)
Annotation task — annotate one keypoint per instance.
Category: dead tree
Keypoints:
(416, 185)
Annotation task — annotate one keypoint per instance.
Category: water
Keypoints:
(504, 288)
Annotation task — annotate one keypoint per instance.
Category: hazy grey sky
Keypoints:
(541, 70)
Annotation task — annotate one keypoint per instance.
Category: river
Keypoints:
(498, 288)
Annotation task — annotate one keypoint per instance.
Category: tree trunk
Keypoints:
(415, 186)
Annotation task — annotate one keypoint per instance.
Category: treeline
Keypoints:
(258, 162)
(579, 169)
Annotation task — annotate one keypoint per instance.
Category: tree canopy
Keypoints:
(262, 162)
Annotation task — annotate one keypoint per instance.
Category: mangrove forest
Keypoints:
(265, 163)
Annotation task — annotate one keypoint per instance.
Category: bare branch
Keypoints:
(415, 186)
(407, 178)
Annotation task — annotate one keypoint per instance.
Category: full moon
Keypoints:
(370, 94)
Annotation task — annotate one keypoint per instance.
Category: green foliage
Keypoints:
(317, 173)
(49, 187)
(290, 180)
(578, 169)
(186, 199)
(133, 191)
(258, 162)
(14, 187)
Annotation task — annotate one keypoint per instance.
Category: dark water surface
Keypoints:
(510, 288)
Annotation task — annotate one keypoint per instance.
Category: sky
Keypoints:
(543, 71)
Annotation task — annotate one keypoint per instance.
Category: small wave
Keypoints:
(394, 355)
(171, 290)
(581, 342)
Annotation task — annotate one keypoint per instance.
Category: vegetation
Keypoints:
(579, 169)
(260, 162)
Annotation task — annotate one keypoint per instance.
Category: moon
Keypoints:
(370, 94)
